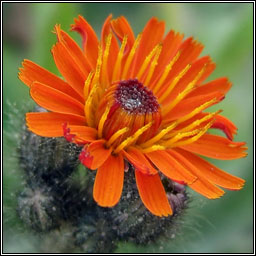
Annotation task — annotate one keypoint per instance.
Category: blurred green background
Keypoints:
(226, 29)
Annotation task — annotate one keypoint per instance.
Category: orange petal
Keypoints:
(80, 134)
(32, 72)
(171, 43)
(210, 67)
(94, 155)
(196, 67)
(90, 40)
(152, 35)
(114, 48)
(108, 183)
(152, 194)
(121, 28)
(68, 68)
(201, 184)
(188, 105)
(218, 85)
(217, 147)
(170, 167)
(225, 125)
(220, 122)
(55, 100)
(74, 50)
(189, 51)
(140, 162)
(212, 173)
(51, 124)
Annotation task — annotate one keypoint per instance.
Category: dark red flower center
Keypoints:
(135, 98)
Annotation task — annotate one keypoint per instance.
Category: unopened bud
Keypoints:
(38, 209)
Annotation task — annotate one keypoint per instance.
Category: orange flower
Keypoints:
(140, 102)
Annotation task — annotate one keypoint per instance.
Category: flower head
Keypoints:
(141, 101)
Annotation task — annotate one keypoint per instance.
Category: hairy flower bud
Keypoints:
(38, 209)
(50, 160)
(133, 222)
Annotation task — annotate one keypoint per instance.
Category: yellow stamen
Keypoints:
(193, 113)
(152, 148)
(104, 73)
(181, 95)
(102, 121)
(117, 68)
(147, 60)
(196, 110)
(89, 105)
(87, 85)
(159, 136)
(179, 136)
(195, 138)
(199, 121)
(174, 82)
(166, 72)
(98, 67)
(153, 66)
(130, 56)
(133, 138)
(116, 135)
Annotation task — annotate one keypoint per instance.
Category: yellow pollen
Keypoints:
(104, 73)
(133, 138)
(98, 67)
(89, 111)
(102, 121)
(166, 72)
(152, 148)
(199, 121)
(195, 138)
(130, 56)
(153, 66)
(147, 60)
(116, 135)
(174, 82)
(159, 136)
(179, 136)
(187, 90)
(87, 85)
(197, 110)
(117, 68)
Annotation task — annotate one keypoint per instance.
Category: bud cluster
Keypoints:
(57, 202)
